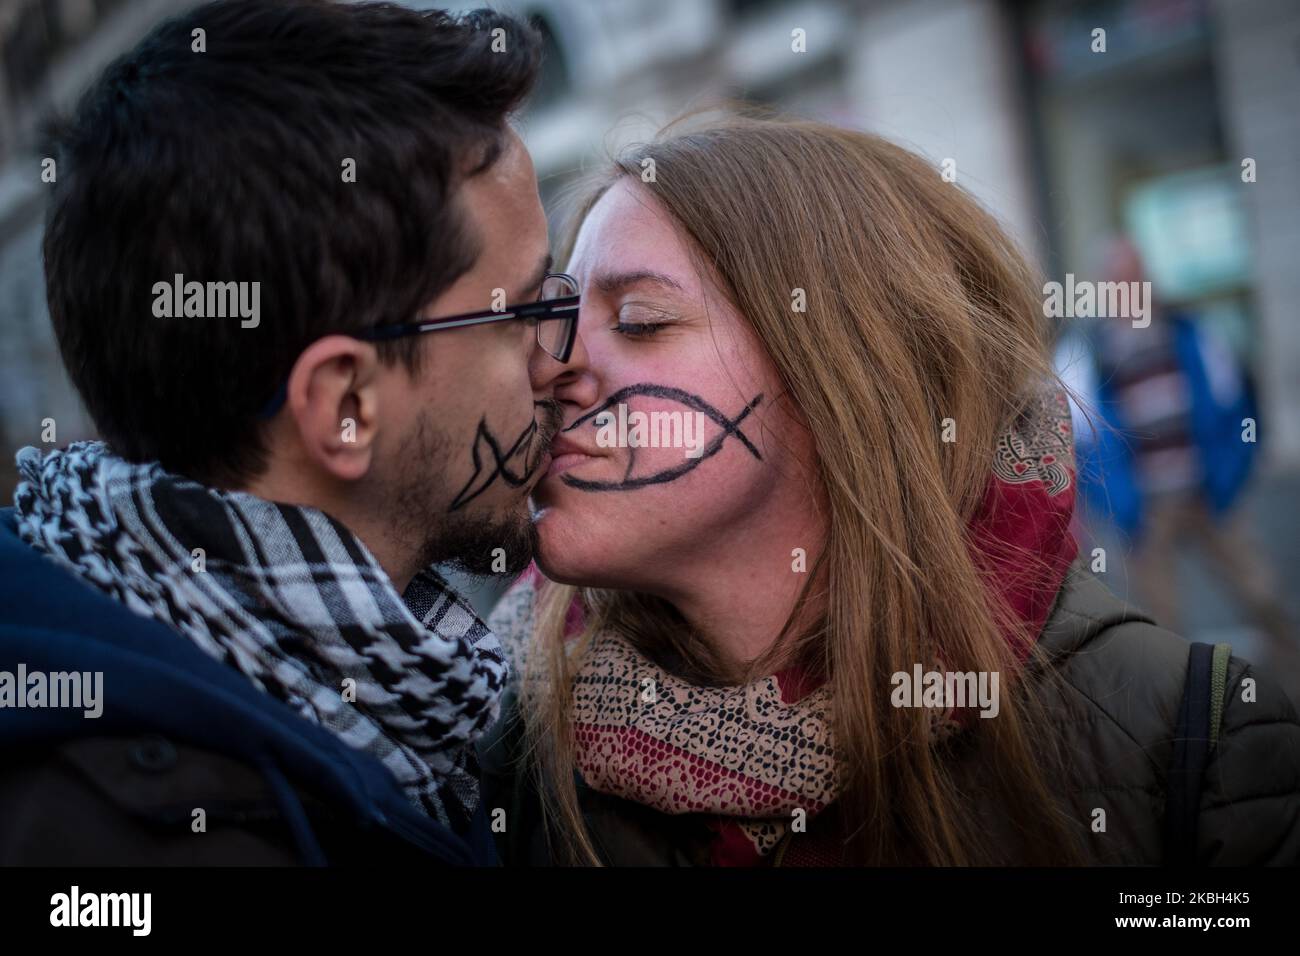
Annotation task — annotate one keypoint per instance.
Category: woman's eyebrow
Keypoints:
(611, 283)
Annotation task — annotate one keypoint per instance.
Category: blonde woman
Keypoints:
(807, 590)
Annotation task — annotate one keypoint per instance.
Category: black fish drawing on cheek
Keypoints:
(490, 462)
(730, 428)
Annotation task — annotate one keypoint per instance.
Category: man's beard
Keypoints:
(471, 543)
(478, 544)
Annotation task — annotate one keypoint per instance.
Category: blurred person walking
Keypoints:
(1172, 450)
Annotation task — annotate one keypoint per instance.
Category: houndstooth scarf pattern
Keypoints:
(290, 598)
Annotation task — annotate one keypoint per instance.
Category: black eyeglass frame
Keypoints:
(560, 308)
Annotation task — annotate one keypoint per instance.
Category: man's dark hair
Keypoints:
(228, 166)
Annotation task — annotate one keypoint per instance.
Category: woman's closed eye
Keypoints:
(638, 330)
(641, 323)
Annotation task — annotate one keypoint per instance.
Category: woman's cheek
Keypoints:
(591, 542)
(627, 538)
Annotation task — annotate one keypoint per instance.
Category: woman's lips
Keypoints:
(563, 462)
(566, 454)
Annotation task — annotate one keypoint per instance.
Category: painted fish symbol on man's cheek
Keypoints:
(513, 465)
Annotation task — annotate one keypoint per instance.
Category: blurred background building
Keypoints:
(1066, 143)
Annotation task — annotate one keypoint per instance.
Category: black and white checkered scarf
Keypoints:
(290, 598)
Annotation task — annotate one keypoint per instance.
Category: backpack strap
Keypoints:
(1196, 735)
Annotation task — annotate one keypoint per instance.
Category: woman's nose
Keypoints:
(571, 382)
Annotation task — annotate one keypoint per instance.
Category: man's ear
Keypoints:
(333, 401)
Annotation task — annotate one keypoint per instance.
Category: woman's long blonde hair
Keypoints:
(918, 309)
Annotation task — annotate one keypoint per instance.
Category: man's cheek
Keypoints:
(493, 461)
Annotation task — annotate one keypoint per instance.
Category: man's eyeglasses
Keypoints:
(555, 312)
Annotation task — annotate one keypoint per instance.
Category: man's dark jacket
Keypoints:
(179, 732)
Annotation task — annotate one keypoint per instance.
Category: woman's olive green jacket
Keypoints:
(1117, 706)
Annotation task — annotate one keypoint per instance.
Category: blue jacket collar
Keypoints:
(156, 681)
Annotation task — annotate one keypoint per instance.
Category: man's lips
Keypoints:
(566, 454)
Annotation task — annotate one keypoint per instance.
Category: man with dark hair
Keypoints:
(223, 639)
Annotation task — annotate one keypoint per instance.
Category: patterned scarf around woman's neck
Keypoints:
(750, 756)
(290, 598)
